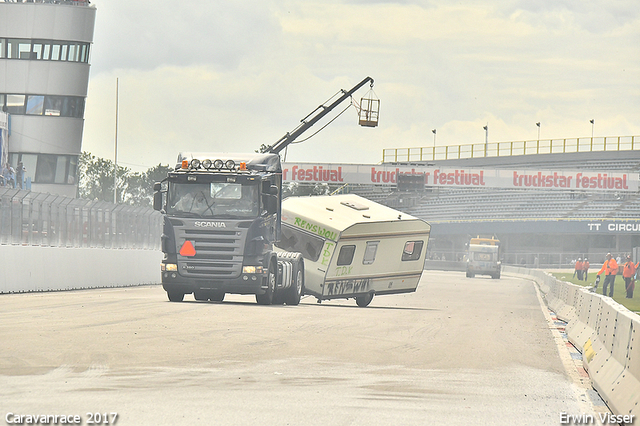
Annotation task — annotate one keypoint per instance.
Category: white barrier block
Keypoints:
(576, 327)
(625, 391)
(633, 355)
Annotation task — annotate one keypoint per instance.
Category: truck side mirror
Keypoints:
(157, 200)
(157, 196)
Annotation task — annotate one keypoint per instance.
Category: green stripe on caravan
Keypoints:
(323, 232)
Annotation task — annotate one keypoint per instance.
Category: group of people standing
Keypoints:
(581, 269)
(611, 269)
(13, 178)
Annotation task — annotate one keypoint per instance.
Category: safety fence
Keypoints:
(607, 334)
(39, 219)
(505, 149)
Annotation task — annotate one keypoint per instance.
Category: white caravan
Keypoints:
(353, 247)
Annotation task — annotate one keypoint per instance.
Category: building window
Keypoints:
(18, 48)
(59, 106)
(35, 104)
(15, 104)
(55, 52)
(47, 168)
(47, 50)
(64, 50)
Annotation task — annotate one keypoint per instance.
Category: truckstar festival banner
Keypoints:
(462, 177)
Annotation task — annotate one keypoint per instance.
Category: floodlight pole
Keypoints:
(486, 138)
(115, 156)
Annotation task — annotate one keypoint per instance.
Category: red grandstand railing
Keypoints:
(505, 149)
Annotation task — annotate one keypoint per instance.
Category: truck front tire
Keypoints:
(175, 296)
(267, 297)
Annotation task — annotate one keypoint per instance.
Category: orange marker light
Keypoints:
(187, 249)
(185, 164)
(243, 166)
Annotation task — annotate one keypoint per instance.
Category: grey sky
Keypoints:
(229, 76)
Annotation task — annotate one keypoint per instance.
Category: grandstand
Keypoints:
(545, 226)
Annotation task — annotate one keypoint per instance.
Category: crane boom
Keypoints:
(312, 118)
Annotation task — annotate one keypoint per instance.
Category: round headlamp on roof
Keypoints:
(195, 163)
(206, 164)
(218, 164)
(230, 164)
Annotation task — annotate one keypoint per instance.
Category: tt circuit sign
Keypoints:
(613, 227)
(462, 177)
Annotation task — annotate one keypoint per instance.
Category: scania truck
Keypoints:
(222, 217)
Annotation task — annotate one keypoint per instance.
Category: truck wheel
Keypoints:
(496, 276)
(363, 301)
(267, 297)
(200, 295)
(217, 296)
(175, 296)
(297, 286)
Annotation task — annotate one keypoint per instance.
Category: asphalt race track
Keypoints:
(459, 351)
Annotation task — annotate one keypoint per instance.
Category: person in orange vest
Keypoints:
(628, 273)
(578, 269)
(585, 269)
(610, 269)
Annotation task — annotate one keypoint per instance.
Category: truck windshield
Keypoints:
(216, 199)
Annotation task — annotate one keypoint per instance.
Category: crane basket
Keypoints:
(369, 110)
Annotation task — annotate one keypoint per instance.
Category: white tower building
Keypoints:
(44, 77)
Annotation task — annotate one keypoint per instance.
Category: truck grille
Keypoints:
(218, 252)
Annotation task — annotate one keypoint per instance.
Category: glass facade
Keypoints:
(47, 168)
(50, 105)
(44, 50)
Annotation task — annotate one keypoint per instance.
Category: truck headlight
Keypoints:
(168, 267)
(252, 269)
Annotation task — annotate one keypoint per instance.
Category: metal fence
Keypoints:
(533, 259)
(38, 219)
(505, 149)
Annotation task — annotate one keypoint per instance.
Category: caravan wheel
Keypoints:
(363, 301)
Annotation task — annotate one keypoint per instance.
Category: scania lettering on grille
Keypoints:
(210, 224)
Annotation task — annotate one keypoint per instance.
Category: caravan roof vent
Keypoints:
(355, 206)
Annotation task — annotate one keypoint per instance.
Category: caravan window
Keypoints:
(295, 240)
(345, 257)
(412, 250)
(370, 252)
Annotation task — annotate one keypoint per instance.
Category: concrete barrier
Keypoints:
(33, 268)
(607, 333)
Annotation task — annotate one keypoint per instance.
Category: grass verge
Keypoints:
(619, 292)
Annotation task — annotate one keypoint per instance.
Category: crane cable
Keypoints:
(319, 130)
(322, 128)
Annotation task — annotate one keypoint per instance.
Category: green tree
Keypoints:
(139, 186)
(95, 181)
(95, 178)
